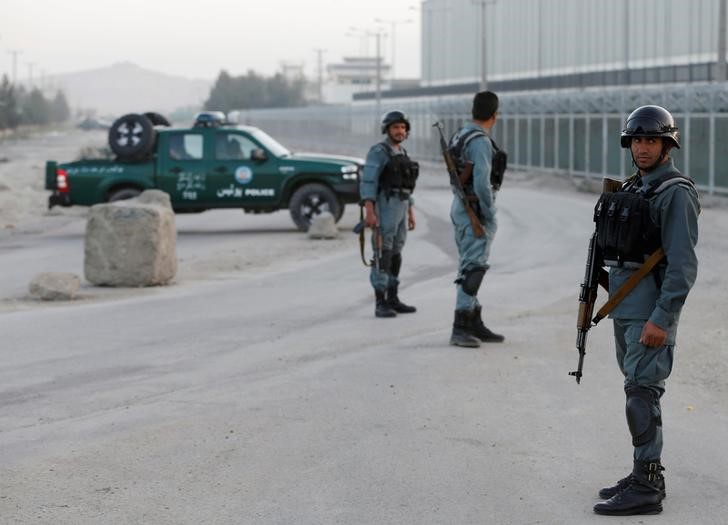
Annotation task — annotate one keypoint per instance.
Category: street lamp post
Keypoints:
(393, 23)
(483, 44)
(378, 36)
(378, 62)
(320, 64)
(720, 71)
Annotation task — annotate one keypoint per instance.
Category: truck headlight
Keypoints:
(349, 172)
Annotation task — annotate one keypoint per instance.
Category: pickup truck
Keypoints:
(213, 164)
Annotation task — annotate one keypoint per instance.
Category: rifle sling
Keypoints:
(361, 237)
(629, 285)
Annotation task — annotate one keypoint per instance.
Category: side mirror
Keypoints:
(258, 155)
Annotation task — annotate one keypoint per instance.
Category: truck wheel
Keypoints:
(120, 194)
(157, 119)
(132, 137)
(310, 200)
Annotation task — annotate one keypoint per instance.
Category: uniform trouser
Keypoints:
(392, 213)
(473, 253)
(644, 367)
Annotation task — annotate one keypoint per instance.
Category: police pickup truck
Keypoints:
(214, 164)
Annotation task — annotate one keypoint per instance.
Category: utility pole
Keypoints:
(15, 53)
(720, 70)
(319, 54)
(30, 65)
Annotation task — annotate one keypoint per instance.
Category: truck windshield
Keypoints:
(271, 144)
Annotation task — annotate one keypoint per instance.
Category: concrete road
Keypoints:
(260, 388)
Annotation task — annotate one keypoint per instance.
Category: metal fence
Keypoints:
(573, 132)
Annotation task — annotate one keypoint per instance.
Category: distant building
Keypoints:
(292, 71)
(354, 75)
(535, 44)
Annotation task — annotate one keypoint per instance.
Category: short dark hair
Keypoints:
(485, 104)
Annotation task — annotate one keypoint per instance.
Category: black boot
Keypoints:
(643, 493)
(397, 305)
(479, 330)
(461, 330)
(608, 492)
(392, 298)
(382, 308)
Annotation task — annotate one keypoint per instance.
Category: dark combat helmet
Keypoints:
(391, 117)
(650, 121)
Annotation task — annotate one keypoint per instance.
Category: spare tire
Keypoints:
(157, 119)
(132, 137)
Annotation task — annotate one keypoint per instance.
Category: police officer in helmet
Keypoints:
(645, 321)
(386, 193)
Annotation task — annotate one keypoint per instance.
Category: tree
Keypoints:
(254, 91)
(9, 115)
(59, 108)
(36, 109)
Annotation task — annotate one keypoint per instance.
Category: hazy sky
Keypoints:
(199, 38)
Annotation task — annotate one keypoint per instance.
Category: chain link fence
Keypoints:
(574, 132)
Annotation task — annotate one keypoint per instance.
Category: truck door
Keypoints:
(243, 180)
(182, 170)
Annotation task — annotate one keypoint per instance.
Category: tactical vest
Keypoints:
(626, 233)
(498, 162)
(399, 173)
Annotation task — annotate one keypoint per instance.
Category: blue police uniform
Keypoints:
(474, 251)
(392, 207)
(658, 298)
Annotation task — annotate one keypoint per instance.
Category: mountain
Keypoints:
(127, 88)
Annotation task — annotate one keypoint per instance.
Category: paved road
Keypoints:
(261, 389)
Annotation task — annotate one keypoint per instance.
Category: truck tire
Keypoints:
(132, 137)
(157, 119)
(125, 192)
(311, 199)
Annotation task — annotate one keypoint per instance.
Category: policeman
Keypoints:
(386, 191)
(474, 143)
(645, 322)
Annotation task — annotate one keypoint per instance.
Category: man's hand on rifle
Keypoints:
(411, 222)
(370, 219)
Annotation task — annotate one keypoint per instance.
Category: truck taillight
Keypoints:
(61, 181)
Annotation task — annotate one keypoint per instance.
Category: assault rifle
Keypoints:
(377, 236)
(457, 180)
(594, 275)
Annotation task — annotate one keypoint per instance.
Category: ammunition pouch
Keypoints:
(399, 173)
(626, 233)
(498, 166)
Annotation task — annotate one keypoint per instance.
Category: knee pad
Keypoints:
(396, 263)
(472, 277)
(385, 261)
(640, 415)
